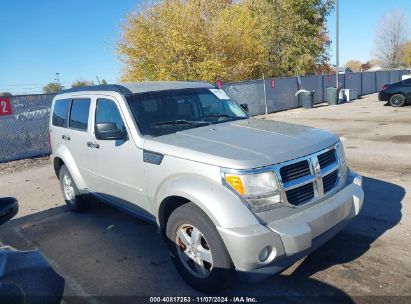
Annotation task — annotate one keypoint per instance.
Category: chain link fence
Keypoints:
(24, 134)
(278, 94)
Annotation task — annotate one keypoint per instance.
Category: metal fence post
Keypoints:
(265, 96)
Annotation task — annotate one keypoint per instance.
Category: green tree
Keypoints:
(52, 87)
(82, 83)
(5, 94)
(295, 34)
(103, 81)
(233, 40)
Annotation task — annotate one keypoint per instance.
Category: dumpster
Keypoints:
(306, 98)
(349, 94)
(331, 96)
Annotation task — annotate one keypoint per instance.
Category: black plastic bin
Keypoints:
(306, 99)
(331, 96)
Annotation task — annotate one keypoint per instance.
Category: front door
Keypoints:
(117, 165)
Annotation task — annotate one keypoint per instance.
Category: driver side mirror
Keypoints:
(109, 131)
(8, 209)
(244, 106)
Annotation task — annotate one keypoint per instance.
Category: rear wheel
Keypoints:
(197, 249)
(71, 194)
(397, 100)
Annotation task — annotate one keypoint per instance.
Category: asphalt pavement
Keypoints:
(104, 254)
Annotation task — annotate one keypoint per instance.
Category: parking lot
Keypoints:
(105, 253)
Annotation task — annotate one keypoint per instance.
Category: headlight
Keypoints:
(260, 190)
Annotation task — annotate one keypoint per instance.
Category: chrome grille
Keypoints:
(329, 181)
(301, 194)
(327, 158)
(309, 178)
(294, 171)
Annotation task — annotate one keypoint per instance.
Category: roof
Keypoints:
(129, 88)
(375, 68)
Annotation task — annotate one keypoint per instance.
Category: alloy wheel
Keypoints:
(193, 250)
(68, 187)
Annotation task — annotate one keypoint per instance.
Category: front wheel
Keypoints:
(397, 100)
(197, 249)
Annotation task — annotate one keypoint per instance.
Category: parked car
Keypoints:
(25, 276)
(397, 94)
(229, 193)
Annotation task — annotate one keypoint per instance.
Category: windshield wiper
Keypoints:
(220, 115)
(178, 122)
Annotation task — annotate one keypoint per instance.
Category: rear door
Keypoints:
(117, 165)
(79, 133)
(59, 119)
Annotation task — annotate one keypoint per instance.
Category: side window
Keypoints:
(407, 82)
(80, 109)
(107, 111)
(60, 111)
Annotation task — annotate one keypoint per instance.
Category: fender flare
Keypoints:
(222, 206)
(64, 154)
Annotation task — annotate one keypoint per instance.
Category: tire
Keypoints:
(74, 200)
(217, 271)
(397, 100)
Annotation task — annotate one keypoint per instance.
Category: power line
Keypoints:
(28, 84)
(30, 88)
(24, 88)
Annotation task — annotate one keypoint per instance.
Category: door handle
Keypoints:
(65, 137)
(93, 145)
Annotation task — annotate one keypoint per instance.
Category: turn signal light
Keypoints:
(236, 183)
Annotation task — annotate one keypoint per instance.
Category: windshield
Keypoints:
(165, 112)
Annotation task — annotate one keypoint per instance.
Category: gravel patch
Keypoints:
(23, 164)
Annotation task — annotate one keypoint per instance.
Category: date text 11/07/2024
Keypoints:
(203, 300)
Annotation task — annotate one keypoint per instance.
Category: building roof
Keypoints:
(376, 68)
(129, 88)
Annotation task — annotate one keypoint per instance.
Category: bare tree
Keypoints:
(390, 38)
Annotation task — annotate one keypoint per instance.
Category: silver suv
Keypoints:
(230, 194)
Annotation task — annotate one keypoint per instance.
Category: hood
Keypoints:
(243, 144)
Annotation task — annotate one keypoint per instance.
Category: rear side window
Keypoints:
(79, 113)
(60, 111)
(107, 111)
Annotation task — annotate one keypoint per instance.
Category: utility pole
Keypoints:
(337, 59)
(98, 80)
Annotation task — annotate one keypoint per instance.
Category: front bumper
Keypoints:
(293, 237)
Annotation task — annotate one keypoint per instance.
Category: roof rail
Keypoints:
(103, 87)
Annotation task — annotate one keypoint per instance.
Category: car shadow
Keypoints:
(107, 252)
(356, 239)
(387, 104)
(381, 211)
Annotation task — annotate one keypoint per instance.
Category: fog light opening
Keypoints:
(264, 254)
